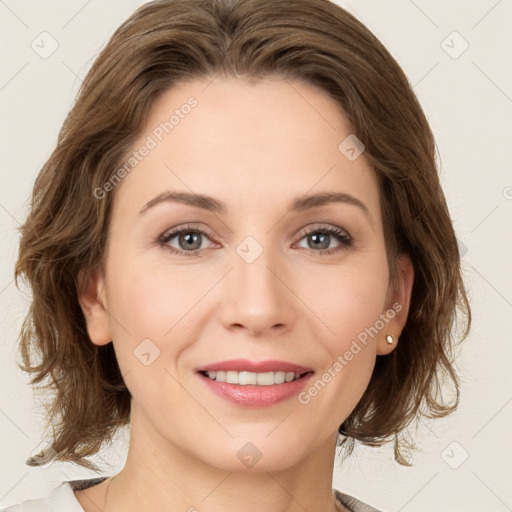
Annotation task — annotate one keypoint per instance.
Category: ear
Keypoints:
(94, 306)
(398, 301)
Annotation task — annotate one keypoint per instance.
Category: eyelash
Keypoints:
(341, 236)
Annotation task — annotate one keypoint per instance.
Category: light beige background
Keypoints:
(468, 100)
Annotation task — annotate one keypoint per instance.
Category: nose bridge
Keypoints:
(258, 297)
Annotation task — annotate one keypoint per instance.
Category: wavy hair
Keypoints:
(168, 41)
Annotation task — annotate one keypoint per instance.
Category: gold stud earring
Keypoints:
(389, 339)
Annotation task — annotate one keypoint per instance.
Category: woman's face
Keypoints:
(263, 273)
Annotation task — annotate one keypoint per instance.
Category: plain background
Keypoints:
(464, 462)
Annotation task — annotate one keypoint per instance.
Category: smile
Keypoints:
(251, 378)
(239, 389)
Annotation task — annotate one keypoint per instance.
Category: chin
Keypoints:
(241, 455)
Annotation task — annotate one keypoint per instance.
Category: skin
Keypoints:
(255, 148)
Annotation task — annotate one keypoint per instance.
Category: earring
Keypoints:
(389, 339)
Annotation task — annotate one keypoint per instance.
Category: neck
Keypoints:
(160, 476)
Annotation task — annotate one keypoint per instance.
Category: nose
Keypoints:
(258, 297)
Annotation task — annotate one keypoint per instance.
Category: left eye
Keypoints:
(190, 240)
(321, 238)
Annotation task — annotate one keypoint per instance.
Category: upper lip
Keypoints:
(244, 365)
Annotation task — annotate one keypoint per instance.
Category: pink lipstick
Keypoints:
(255, 384)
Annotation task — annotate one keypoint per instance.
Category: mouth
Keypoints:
(254, 384)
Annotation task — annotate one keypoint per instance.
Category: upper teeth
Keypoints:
(258, 379)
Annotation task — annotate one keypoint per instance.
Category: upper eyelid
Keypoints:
(327, 227)
(186, 227)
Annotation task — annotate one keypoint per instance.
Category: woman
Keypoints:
(239, 248)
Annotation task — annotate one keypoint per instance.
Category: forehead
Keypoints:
(246, 143)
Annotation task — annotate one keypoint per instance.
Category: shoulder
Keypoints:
(353, 504)
(61, 499)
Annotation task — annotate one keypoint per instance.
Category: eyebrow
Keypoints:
(299, 204)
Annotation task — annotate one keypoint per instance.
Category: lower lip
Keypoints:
(256, 396)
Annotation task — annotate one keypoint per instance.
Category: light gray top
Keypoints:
(353, 504)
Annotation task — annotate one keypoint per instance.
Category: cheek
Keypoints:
(148, 317)
(151, 299)
(351, 310)
(348, 300)
(358, 309)
(157, 303)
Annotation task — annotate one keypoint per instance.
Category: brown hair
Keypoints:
(167, 41)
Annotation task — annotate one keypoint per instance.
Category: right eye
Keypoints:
(188, 239)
